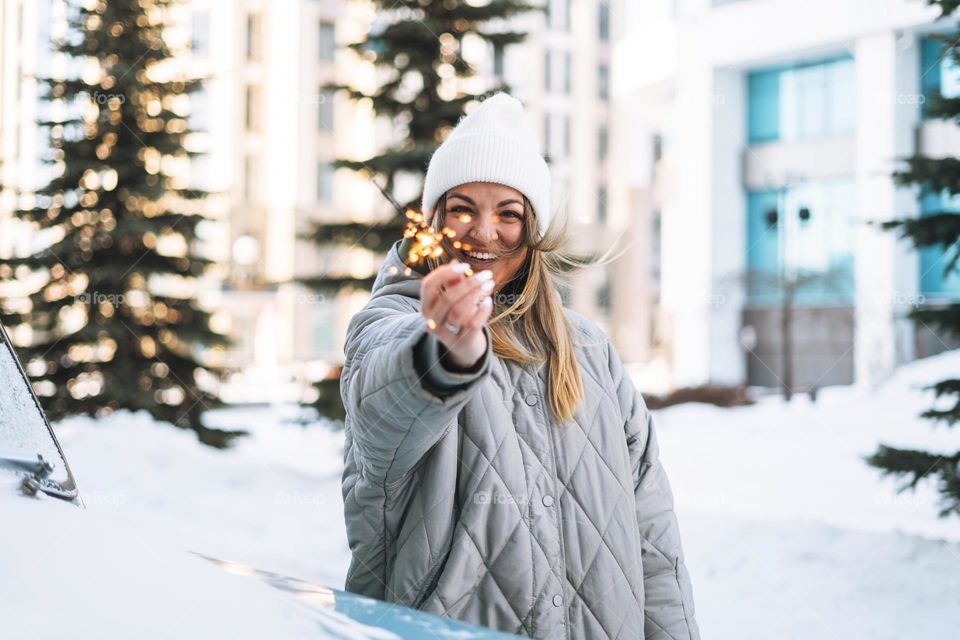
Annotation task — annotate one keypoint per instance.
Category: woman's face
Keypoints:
(487, 217)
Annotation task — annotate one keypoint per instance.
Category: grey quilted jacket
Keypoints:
(465, 498)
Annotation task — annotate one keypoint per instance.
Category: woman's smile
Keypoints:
(477, 257)
(488, 219)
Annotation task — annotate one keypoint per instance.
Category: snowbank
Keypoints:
(788, 533)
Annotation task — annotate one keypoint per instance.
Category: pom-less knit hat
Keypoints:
(490, 144)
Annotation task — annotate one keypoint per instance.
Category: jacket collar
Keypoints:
(396, 276)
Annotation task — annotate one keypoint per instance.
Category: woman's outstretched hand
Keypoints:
(455, 307)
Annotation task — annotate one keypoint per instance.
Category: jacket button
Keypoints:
(531, 399)
(557, 600)
(547, 501)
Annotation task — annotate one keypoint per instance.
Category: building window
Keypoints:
(558, 14)
(498, 60)
(801, 230)
(253, 37)
(547, 71)
(566, 136)
(655, 246)
(197, 120)
(603, 142)
(603, 15)
(546, 135)
(939, 74)
(567, 71)
(604, 293)
(252, 108)
(324, 182)
(602, 204)
(325, 110)
(934, 283)
(801, 102)
(200, 33)
(327, 41)
(249, 179)
(603, 81)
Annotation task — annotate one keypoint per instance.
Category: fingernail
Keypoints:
(486, 274)
(460, 267)
(431, 324)
(486, 302)
(487, 286)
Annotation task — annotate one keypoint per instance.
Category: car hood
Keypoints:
(66, 572)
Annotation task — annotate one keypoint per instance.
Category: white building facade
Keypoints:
(773, 127)
(267, 134)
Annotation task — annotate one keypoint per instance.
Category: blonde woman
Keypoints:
(501, 468)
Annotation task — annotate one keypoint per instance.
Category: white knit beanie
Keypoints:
(490, 144)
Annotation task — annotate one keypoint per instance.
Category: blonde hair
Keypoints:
(528, 324)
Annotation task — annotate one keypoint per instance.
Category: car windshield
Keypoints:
(23, 428)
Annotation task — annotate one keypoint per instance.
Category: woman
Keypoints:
(501, 468)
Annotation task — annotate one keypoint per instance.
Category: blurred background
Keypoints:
(191, 212)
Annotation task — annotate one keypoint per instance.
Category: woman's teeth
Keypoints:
(477, 255)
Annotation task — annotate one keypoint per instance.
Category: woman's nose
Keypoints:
(484, 229)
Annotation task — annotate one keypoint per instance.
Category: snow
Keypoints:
(787, 532)
(273, 501)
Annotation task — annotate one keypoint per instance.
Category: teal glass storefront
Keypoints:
(938, 74)
(803, 229)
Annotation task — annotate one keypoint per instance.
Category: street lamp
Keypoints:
(788, 282)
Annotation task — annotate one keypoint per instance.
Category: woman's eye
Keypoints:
(512, 214)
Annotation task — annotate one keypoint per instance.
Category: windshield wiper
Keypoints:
(40, 469)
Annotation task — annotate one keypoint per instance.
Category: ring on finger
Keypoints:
(451, 327)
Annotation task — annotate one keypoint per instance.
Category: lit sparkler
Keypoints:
(427, 242)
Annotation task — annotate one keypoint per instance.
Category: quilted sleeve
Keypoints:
(668, 593)
(399, 399)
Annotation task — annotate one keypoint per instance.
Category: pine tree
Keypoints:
(114, 322)
(939, 229)
(422, 42)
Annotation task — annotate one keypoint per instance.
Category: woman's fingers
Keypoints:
(480, 317)
(458, 301)
(456, 307)
(435, 282)
(465, 298)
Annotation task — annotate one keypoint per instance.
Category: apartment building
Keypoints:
(268, 134)
(770, 129)
(273, 135)
(25, 29)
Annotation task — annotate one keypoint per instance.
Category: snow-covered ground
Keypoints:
(788, 533)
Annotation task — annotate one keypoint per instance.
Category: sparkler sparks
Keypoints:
(428, 243)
